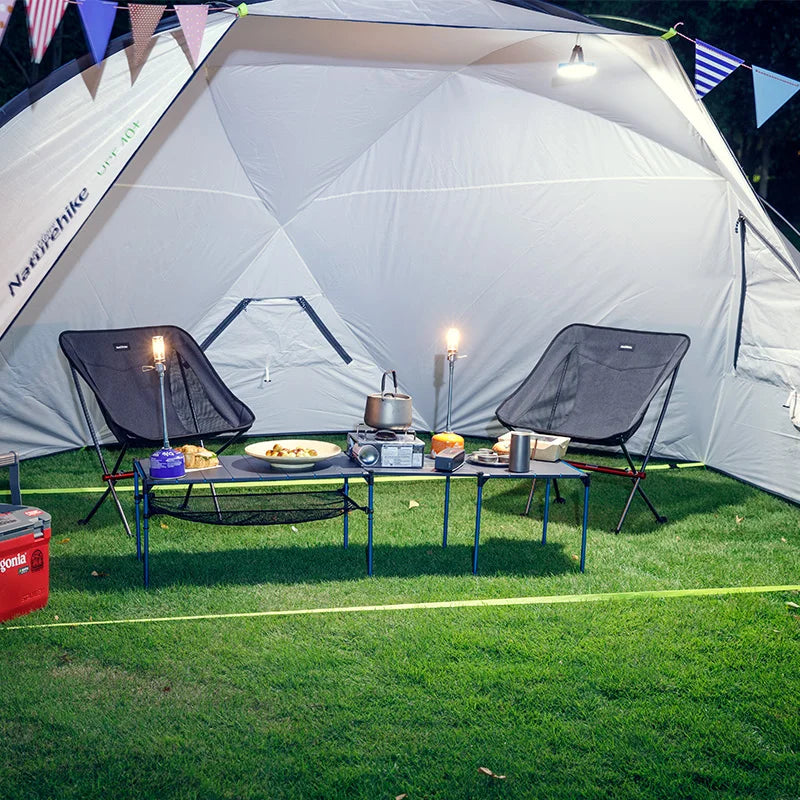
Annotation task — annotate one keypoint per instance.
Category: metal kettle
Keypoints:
(388, 410)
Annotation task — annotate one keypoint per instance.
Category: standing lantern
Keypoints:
(440, 441)
(166, 462)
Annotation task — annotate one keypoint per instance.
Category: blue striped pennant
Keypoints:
(711, 67)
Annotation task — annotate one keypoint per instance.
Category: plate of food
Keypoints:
(293, 453)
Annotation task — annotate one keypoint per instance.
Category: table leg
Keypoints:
(478, 506)
(346, 514)
(137, 505)
(370, 485)
(446, 509)
(546, 513)
(146, 533)
(585, 520)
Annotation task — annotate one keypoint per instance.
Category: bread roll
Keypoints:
(198, 457)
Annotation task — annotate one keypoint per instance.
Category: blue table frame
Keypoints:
(246, 469)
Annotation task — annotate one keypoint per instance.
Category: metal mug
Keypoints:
(519, 452)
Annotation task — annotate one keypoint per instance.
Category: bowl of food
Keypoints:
(293, 453)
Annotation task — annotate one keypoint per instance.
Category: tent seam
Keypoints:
(518, 184)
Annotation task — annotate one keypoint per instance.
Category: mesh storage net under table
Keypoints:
(263, 508)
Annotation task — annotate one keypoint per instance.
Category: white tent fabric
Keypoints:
(404, 167)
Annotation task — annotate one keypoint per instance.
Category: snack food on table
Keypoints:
(197, 457)
(502, 447)
(543, 447)
(278, 451)
(441, 441)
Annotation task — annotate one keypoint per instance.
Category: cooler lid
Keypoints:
(21, 519)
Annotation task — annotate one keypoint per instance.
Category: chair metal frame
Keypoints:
(11, 460)
(113, 476)
(634, 473)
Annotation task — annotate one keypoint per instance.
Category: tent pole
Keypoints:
(741, 228)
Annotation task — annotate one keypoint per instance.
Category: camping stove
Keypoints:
(384, 448)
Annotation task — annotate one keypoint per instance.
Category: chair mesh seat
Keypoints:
(198, 404)
(594, 384)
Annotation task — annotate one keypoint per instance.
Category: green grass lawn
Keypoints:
(676, 697)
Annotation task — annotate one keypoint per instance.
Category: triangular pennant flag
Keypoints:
(6, 7)
(771, 91)
(193, 23)
(43, 19)
(711, 66)
(97, 17)
(144, 19)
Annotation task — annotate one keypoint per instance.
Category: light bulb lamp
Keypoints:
(166, 462)
(577, 68)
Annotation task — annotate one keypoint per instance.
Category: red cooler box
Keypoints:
(24, 560)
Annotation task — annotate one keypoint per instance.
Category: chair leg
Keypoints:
(187, 496)
(660, 519)
(559, 498)
(110, 489)
(530, 498)
(213, 490)
(120, 510)
(96, 506)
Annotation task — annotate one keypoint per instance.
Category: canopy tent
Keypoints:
(343, 180)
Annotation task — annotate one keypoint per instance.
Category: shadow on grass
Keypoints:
(677, 494)
(297, 564)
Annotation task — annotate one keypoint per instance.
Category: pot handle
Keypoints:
(383, 382)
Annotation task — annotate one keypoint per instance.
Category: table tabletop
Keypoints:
(241, 468)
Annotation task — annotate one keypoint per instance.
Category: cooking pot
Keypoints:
(389, 410)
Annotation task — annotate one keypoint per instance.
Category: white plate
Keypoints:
(324, 450)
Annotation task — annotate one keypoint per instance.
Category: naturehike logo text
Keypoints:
(50, 235)
(19, 560)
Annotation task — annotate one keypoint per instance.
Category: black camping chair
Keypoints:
(116, 364)
(595, 385)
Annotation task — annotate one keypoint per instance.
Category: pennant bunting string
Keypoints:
(712, 66)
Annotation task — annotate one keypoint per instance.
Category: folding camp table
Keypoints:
(267, 507)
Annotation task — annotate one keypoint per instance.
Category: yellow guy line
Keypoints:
(492, 601)
(252, 484)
